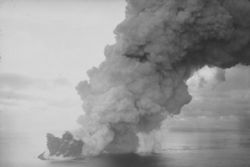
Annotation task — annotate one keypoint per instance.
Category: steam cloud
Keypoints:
(158, 47)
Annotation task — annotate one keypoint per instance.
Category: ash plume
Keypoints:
(143, 79)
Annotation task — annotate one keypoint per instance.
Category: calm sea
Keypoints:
(180, 149)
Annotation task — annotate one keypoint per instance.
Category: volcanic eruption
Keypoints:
(143, 78)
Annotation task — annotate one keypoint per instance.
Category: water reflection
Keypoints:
(132, 160)
(120, 160)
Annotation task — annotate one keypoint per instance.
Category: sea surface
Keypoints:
(204, 148)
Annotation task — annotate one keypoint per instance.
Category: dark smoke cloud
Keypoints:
(143, 79)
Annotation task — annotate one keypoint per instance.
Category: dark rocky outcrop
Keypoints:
(65, 146)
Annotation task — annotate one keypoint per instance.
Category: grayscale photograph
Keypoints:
(124, 83)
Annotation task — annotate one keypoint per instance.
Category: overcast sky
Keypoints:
(47, 46)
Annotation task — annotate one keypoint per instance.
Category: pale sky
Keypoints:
(47, 47)
(49, 39)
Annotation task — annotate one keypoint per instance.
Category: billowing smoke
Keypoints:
(158, 47)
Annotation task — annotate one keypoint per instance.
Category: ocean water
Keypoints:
(179, 149)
